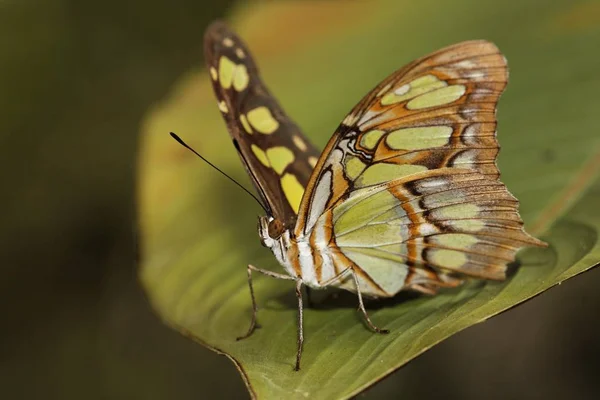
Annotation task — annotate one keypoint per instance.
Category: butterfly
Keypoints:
(406, 194)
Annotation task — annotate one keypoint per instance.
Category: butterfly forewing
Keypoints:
(408, 184)
(277, 156)
(438, 111)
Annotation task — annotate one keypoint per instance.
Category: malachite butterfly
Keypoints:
(406, 194)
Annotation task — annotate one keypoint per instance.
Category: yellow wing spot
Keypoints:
(390, 215)
(465, 64)
(227, 42)
(448, 258)
(223, 107)
(293, 190)
(354, 167)
(458, 211)
(412, 89)
(356, 212)
(469, 225)
(384, 89)
(213, 73)
(230, 73)
(384, 172)
(280, 157)
(367, 117)
(398, 248)
(299, 142)
(350, 120)
(245, 124)
(387, 270)
(445, 95)
(312, 161)
(240, 53)
(226, 71)
(260, 155)
(455, 240)
(402, 90)
(466, 157)
(241, 78)
(370, 235)
(369, 139)
(419, 137)
(262, 120)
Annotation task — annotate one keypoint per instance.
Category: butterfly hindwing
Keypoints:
(408, 185)
(276, 154)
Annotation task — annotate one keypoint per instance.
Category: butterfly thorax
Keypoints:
(278, 242)
(309, 258)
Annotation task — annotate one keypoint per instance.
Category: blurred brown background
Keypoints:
(77, 78)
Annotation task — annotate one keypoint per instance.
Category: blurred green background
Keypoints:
(77, 79)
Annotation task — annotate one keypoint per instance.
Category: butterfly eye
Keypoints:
(276, 228)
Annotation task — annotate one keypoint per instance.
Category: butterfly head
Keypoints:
(269, 230)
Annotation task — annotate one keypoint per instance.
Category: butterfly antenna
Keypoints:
(184, 144)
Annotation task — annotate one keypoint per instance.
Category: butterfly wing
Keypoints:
(407, 191)
(276, 154)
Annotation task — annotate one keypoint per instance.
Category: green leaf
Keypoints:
(198, 231)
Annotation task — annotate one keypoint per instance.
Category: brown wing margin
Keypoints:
(270, 144)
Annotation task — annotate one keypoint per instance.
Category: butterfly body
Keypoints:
(405, 195)
(297, 254)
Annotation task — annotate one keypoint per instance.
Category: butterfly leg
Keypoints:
(254, 308)
(300, 323)
(361, 307)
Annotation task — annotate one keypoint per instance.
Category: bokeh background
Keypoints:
(77, 79)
